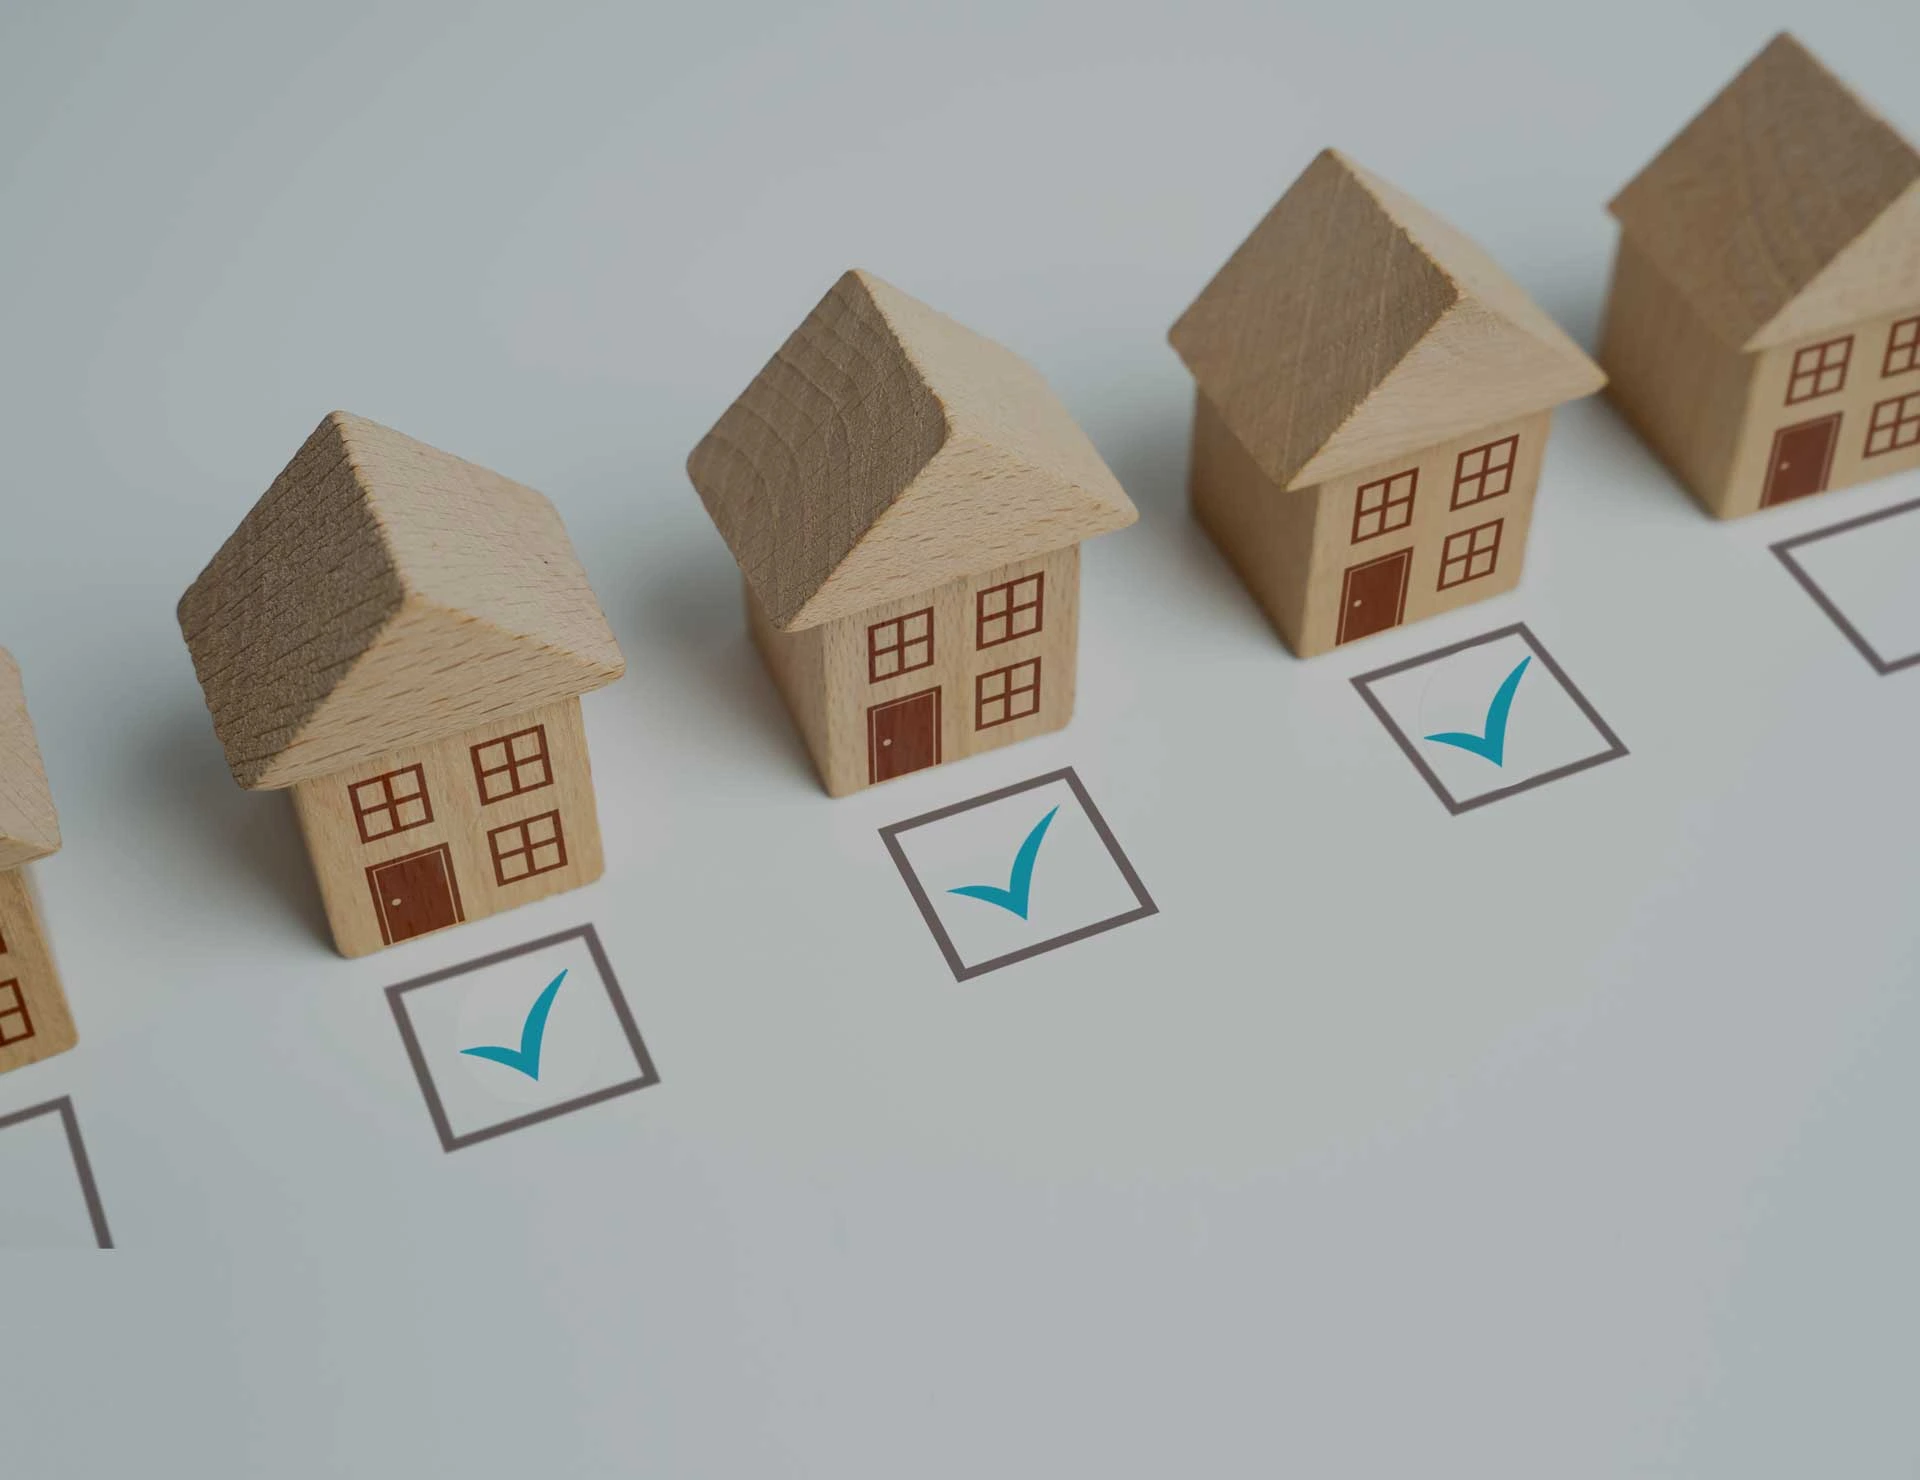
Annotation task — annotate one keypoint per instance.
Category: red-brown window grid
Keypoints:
(512, 765)
(1484, 472)
(389, 804)
(1819, 370)
(1903, 348)
(900, 646)
(15, 1025)
(1009, 610)
(1006, 694)
(523, 849)
(1384, 505)
(1894, 425)
(1470, 554)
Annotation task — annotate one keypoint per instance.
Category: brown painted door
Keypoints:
(903, 735)
(1374, 595)
(415, 894)
(1802, 458)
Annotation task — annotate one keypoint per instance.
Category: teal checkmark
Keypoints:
(1020, 885)
(525, 1058)
(1493, 744)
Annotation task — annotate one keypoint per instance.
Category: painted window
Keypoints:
(511, 765)
(1484, 472)
(1384, 505)
(1470, 554)
(1894, 425)
(15, 1025)
(900, 646)
(1011, 609)
(1819, 370)
(523, 849)
(389, 804)
(1903, 348)
(1006, 694)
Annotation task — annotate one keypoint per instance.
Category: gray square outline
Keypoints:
(1784, 550)
(648, 1077)
(1616, 748)
(82, 1167)
(890, 835)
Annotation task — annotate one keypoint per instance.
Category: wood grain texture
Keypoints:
(1354, 326)
(1293, 547)
(886, 450)
(1751, 210)
(27, 960)
(824, 675)
(462, 822)
(1684, 389)
(29, 826)
(383, 594)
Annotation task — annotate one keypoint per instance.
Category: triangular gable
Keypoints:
(382, 594)
(1353, 325)
(29, 826)
(886, 449)
(1780, 189)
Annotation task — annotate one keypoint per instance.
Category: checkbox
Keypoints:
(1489, 718)
(519, 1037)
(1016, 873)
(48, 1199)
(1861, 573)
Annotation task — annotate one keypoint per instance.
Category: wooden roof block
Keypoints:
(1353, 325)
(1787, 206)
(29, 826)
(382, 594)
(884, 450)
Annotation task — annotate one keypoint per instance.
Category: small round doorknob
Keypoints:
(885, 743)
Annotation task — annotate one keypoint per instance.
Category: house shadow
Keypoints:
(243, 849)
(694, 629)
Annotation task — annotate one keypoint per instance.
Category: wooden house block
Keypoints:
(906, 502)
(402, 638)
(1374, 396)
(1763, 326)
(34, 1019)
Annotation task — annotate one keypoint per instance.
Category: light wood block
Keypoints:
(1763, 323)
(35, 1021)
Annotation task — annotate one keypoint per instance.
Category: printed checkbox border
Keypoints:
(890, 835)
(1784, 550)
(648, 1075)
(77, 1148)
(1616, 748)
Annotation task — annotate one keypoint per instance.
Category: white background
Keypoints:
(1572, 1137)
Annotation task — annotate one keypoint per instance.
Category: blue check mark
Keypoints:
(1020, 886)
(1493, 744)
(525, 1058)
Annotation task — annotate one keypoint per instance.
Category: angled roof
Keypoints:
(1787, 206)
(29, 827)
(885, 450)
(1354, 325)
(383, 594)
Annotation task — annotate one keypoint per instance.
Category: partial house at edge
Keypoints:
(1763, 325)
(906, 501)
(35, 1022)
(401, 637)
(1373, 402)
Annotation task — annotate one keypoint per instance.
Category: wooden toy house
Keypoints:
(34, 1021)
(402, 637)
(906, 500)
(1763, 326)
(1374, 396)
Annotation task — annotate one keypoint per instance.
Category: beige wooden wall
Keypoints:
(27, 960)
(460, 820)
(1865, 386)
(1293, 550)
(822, 672)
